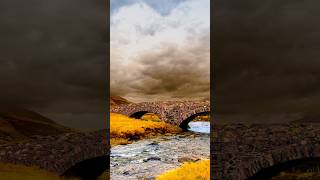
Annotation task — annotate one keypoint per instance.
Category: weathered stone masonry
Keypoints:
(239, 151)
(173, 112)
(56, 153)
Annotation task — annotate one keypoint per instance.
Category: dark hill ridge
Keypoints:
(21, 113)
(19, 124)
(309, 119)
(118, 100)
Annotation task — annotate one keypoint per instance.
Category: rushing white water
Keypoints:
(148, 158)
(200, 126)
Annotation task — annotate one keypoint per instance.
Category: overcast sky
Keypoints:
(267, 60)
(160, 50)
(266, 56)
(53, 59)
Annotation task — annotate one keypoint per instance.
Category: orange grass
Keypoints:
(297, 175)
(202, 118)
(21, 172)
(124, 129)
(192, 171)
(309, 173)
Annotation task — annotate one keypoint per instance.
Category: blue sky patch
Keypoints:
(163, 7)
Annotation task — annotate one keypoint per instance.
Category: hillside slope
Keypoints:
(118, 100)
(18, 124)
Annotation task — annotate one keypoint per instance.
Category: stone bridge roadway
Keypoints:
(261, 151)
(58, 153)
(178, 113)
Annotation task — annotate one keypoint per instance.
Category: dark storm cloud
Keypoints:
(53, 57)
(172, 72)
(266, 59)
(180, 73)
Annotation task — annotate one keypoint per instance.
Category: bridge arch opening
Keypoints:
(185, 124)
(89, 169)
(288, 169)
(138, 115)
(145, 115)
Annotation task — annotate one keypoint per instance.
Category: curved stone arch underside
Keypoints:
(273, 162)
(173, 112)
(139, 114)
(185, 122)
(89, 168)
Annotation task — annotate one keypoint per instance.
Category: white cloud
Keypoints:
(138, 31)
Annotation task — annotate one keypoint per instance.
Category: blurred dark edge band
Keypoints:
(213, 146)
(107, 119)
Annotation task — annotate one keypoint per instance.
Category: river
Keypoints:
(146, 159)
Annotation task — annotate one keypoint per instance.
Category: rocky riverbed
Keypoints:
(149, 158)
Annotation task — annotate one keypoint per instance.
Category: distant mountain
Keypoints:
(18, 124)
(117, 100)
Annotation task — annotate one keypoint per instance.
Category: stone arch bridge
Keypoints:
(82, 154)
(242, 151)
(261, 151)
(178, 113)
(238, 151)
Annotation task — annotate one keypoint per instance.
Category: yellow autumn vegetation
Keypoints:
(297, 175)
(192, 171)
(124, 130)
(20, 172)
(308, 173)
(104, 176)
(202, 118)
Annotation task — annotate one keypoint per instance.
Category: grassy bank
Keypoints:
(124, 130)
(202, 118)
(297, 175)
(20, 172)
(309, 173)
(192, 171)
